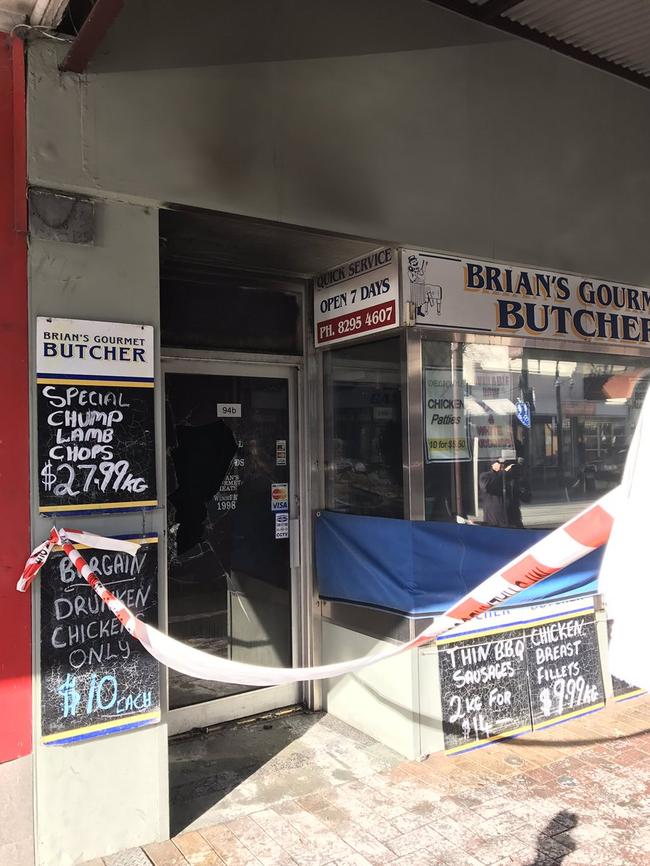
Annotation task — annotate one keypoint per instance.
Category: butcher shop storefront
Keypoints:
(469, 408)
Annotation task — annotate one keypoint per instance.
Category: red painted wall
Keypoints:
(15, 615)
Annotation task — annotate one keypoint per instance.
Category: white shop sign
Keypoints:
(357, 298)
(99, 350)
(476, 295)
(445, 417)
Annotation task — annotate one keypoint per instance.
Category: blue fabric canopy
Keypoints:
(417, 567)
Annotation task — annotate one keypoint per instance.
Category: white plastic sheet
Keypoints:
(624, 577)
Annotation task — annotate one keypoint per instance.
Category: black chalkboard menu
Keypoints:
(564, 670)
(623, 689)
(95, 416)
(501, 683)
(484, 688)
(95, 678)
(95, 447)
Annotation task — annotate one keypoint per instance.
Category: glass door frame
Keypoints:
(268, 698)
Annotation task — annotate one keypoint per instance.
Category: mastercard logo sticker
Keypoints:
(279, 497)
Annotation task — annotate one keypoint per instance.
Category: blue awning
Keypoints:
(417, 567)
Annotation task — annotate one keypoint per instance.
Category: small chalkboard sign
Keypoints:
(95, 678)
(623, 689)
(95, 411)
(564, 668)
(484, 688)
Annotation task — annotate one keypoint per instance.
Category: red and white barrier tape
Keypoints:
(579, 536)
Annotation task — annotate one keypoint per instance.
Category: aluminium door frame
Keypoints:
(265, 699)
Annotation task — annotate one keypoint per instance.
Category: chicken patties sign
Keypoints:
(446, 420)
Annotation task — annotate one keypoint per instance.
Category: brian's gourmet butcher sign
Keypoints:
(356, 298)
(474, 295)
(95, 416)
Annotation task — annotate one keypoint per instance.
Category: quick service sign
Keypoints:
(359, 297)
(474, 295)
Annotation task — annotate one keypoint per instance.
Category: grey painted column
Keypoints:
(99, 796)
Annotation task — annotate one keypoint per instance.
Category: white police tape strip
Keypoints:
(560, 548)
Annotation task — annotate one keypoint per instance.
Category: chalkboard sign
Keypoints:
(95, 410)
(484, 688)
(504, 682)
(623, 689)
(564, 669)
(95, 447)
(95, 678)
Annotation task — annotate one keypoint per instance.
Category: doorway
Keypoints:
(233, 564)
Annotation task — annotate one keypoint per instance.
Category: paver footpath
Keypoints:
(574, 794)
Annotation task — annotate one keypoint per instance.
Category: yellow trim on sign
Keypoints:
(502, 629)
(101, 726)
(99, 506)
(476, 743)
(96, 383)
(556, 719)
(631, 694)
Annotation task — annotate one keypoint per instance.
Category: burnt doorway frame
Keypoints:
(260, 700)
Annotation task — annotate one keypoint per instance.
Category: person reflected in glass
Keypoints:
(504, 488)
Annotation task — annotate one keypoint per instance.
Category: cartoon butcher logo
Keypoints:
(425, 296)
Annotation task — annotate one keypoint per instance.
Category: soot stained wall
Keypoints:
(480, 144)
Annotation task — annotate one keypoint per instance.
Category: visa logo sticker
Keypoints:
(279, 497)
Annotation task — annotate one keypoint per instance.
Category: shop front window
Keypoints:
(522, 437)
(363, 429)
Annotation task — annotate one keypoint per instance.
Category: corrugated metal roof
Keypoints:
(614, 34)
(616, 30)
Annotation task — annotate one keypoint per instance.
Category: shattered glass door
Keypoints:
(228, 500)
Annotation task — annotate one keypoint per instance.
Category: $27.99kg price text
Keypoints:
(84, 428)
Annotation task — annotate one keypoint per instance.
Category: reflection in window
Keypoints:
(363, 429)
(524, 437)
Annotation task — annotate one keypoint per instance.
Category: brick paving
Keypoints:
(576, 794)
